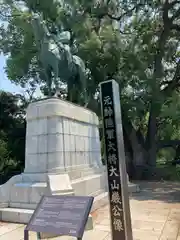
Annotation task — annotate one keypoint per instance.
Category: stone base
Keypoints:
(19, 215)
(20, 196)
(25, 190)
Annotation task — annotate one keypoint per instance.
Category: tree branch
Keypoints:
(162, 40)
(175, 27)
(166, 8)
(157, 74)
(124, 14)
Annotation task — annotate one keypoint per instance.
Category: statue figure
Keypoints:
(58, 63)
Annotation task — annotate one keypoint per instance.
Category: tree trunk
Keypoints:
(138, 163)
(177, 156)
(151, 141)
(128, 154)
(129, 164)
(139, 160)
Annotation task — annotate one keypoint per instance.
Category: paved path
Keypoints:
(155, 216)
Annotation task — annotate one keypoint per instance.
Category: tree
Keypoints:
(163, 66)
(22, 66)
(135, 43)
(12, 133)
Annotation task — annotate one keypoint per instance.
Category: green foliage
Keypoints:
(165, 156)
(167, 173)
(12, 134)
(169, 118)
(96, 44)
(135, 43)
(17, 42)
(4, 154)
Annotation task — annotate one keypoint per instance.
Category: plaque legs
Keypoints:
(26, 235)
(38, 236)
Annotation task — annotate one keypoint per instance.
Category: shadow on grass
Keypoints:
(168, 192)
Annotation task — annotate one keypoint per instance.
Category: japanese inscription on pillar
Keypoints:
(112, 161)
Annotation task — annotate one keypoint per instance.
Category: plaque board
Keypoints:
(115, 161)
(60, 215)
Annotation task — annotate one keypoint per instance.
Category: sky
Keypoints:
(5, 84)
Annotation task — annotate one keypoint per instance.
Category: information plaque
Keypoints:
(60, 215)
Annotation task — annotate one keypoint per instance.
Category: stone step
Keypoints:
(91, 171)
(98, 196)
(28, 206)
(97, 193)
(89, 184)
(31, 193)
(27, 195)
(31, 206)
(79, 172)
(100, 201)
(27, 192)
(84, 172)
(17, 215)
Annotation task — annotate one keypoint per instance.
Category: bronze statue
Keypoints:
(58, 63)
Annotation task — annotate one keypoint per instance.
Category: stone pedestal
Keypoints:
(62, 157)
(60, 137)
